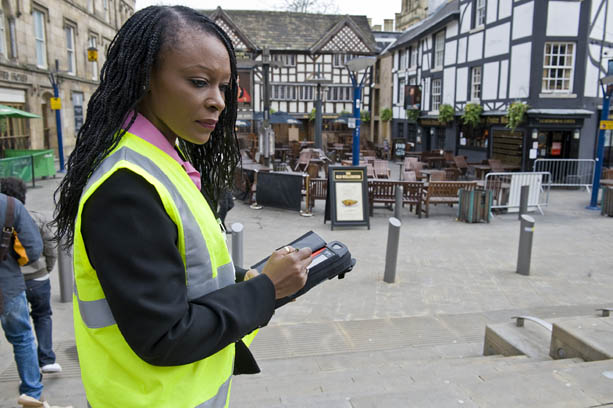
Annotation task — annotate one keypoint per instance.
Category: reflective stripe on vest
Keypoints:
(199, 274)
(219, 400)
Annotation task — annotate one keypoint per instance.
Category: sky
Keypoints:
(376, 10)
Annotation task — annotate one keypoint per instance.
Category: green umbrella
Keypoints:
(7, 111)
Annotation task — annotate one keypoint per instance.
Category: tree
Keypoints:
(310, 6)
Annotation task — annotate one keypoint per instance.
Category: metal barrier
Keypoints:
(568, 172)
(506, 188)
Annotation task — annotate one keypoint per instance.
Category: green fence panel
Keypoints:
(44, 161)
(19, 167)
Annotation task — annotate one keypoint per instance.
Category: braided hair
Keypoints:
(124, 79)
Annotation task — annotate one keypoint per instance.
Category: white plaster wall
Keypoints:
(520, 71)
(462, 50)
(609, 36)
(489, 82)
(395, 90)
(492, 11)
(497, 40)
(425, 63)
(591, 78)
(448, 85)
(475, 46)
(505, 7)
(452, 29)
(465, 16)
(450, 52)
(396, 59)
(504, 78)
(563, 18)
(597, 20)
(461, 84)
(523, 17)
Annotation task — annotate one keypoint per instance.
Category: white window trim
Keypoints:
(473, 71)
(40, 40)
(482, 9)
(570, 89)
(439, 61)
(72, 61)
(434, 107)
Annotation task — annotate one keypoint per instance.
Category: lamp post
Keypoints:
(606, 84)
(318, 79)
(58, 118)
(355, 66)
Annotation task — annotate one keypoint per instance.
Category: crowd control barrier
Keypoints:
(568, 172)
(506, 189)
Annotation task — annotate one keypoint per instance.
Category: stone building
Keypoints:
(411, 12)
(53, 36)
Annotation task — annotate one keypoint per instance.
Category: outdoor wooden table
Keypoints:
(428, 173)
(480, 170)
(281, 153)
(606, 182)
(434, 161)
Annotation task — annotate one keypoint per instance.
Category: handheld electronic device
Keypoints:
(329, 261)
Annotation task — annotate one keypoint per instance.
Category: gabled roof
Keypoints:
(445, 13)
(283, 30)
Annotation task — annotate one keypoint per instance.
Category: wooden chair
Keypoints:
(452, 173)
(313, 170)
(438, 175)
(370, 171)
(607, 174)
(409, 162)
(409, 175)
(382, 169)
(496, 165)
(318, 190)
(461, 164)
(303, 160)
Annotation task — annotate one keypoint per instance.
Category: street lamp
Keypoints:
(318, 79)
(606, 84)
(355, 66)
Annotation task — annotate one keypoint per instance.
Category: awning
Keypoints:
(278, 118)
(7, 111)
(560, 112)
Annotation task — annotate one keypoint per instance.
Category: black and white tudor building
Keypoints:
(301, 45)
(549, 54)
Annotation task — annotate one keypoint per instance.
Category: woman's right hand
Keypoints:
(287, 269)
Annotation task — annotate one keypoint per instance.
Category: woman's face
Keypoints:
(187, 87)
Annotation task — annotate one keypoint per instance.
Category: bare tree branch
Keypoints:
(310, 6)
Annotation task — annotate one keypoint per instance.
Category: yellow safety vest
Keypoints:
(113, 375)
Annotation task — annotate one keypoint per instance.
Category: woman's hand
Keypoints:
(287, 269)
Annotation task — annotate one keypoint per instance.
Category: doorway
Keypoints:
(557, 144)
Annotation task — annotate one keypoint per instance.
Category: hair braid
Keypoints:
(124, 78)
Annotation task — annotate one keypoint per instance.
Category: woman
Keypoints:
(159, 319)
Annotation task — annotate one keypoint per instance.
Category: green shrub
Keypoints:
(516, 113)
(365, 116)
(413, 114)
(472, 114)
(385, 115)
(446, 113)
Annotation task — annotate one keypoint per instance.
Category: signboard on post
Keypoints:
(347, 198)
(56, 103)
(606, 124)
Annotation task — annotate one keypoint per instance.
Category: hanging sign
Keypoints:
(56, 103)
(556, 148)
(92, 54)
(606, 124)
(347, 198)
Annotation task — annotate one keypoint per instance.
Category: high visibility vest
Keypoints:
(113, 375)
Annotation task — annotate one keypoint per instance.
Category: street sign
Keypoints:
(606, 124)
(351, 123)
(56, 103)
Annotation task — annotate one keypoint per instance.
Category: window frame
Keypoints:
(40, 40)
(547, 78)
(439, 54)
(439, 96)
(3, 36)
(413, 56)
(476, 88)
(71, 61)
(479, 7)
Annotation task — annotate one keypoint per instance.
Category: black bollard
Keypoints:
(525, 245)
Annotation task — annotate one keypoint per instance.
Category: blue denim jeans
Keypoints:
(39, 297)
(16, 324)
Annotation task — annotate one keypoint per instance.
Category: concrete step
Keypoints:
(509, 339)
(590, 338)
(338, 378)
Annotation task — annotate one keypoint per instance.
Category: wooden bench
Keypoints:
(444, 192)
(318, 190)
(384, 191)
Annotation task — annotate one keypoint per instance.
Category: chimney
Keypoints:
(376, 27)
(370, 22)
(388, 24)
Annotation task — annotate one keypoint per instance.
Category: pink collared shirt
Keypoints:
(146, 131)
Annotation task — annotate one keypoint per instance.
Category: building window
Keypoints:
(479, 13)
(286, 60)
(93, 42)
(39, 38)
(436, 94)
(90, 6)
(339, 94)
(77, 103)
(413, 58)
(400, 96)
(12, 37)
(105, 8)
(70, 49)
(284, 92)
(306, 93)
(475, 83)
(3, 35)
(558, 67)
(341, 59)
(439, 49)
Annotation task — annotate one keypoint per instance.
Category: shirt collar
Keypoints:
(144, 129)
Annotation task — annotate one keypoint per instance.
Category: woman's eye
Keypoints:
(223, 88)
(198, 83)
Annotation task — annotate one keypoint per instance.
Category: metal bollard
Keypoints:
(391, 255)
(237, 244)
(398, 204)
(525, 245)
(523, 201)
(64, 263)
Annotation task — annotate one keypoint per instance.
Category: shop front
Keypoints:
(433, 136)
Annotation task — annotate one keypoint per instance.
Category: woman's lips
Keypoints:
(208, 124)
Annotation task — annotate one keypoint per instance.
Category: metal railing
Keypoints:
(568, 172)
(506, 188)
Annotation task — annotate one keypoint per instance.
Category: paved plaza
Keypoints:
(452, 279)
